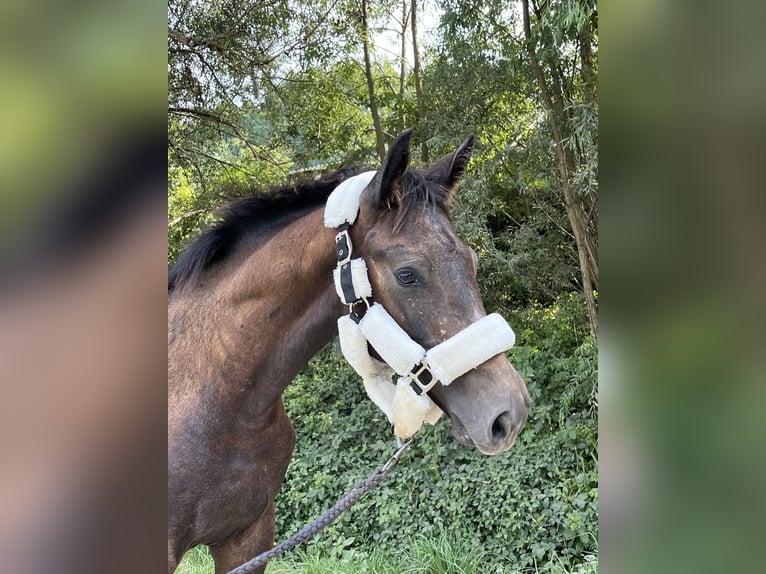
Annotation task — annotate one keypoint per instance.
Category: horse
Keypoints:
(252, 299)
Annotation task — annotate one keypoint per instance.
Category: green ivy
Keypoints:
(536, 504)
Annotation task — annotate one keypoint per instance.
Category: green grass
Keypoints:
(196, 561)
(442, 555)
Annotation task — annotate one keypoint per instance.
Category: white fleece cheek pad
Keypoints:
(359, 280)
(404, 408)
(471, 347)
(375, 375)
(400, 352)
(343, 203)
(410, 409)
(391, 342)
(433, 415)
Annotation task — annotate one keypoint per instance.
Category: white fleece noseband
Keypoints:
(406, 404)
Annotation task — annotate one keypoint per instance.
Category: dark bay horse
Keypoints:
(252, 299)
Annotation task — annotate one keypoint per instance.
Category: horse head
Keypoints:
(425, 277)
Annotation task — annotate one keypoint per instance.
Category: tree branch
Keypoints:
(195, 112)
(176, 220)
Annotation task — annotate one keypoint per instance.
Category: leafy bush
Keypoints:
(535, 505)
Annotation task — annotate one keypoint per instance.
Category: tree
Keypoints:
(224, 58)
(368, 72)
(555, 87)
(403, 66)
(528, 83)
(422, 125)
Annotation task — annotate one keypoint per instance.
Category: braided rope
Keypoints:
(308, 532)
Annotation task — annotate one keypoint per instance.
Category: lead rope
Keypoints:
(308, 532)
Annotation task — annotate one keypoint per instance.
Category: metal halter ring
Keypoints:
(355, 317)
(422, 377)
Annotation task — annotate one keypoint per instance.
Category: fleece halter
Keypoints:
(406, 403)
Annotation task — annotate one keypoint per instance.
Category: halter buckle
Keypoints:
(343, 245)
(423, 379)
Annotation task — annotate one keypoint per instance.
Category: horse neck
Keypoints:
(274, 307)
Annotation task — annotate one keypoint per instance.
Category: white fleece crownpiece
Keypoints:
(477, 343)
(359, 279)
(391, 342)
(343, 203)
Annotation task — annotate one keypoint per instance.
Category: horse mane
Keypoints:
(241, 216)
(258, 212)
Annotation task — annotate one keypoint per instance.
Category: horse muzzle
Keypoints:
(488, 412)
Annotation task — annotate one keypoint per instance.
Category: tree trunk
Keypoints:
(379, 139)
(575, 212)
(585, 39)
(422, 129)
(403, 68)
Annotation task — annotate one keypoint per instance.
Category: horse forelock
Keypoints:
(419, 190)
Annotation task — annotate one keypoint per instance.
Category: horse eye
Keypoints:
(406, 277)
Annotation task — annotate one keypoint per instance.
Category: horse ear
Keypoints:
(449, 169)
(396, 164)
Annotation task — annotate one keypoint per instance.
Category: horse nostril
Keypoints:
(501, 427)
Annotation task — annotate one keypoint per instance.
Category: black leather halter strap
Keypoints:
(421, 377)
(343, 244)
(343, 250)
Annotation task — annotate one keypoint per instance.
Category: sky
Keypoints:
(387, 41)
